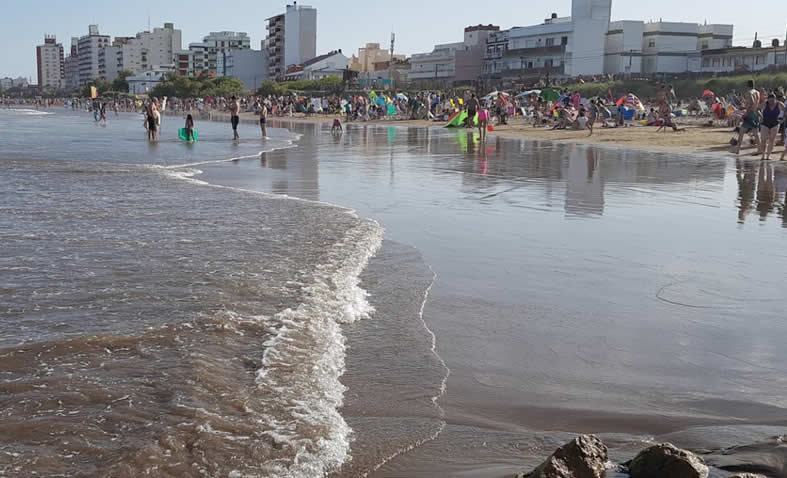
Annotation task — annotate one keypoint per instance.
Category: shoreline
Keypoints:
(695, 139)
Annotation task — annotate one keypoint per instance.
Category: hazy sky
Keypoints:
(345, 24)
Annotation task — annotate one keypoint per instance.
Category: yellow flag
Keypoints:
(93, 92)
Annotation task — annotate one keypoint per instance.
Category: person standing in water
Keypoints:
(152, 121)
(483, 121)
(189, 128)
(263, 120)
(234, 117)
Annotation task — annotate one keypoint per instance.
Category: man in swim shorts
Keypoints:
(234, 118)
(751, 119)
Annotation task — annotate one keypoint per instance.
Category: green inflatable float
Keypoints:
(458, 120)
(183, 134)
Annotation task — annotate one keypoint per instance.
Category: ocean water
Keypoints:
(390, 302)
(153, 325)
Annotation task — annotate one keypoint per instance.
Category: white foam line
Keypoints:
(227, 160)
(435, 398)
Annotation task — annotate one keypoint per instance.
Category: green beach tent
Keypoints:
(458, 120)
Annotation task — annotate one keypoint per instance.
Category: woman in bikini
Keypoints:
(769, 128)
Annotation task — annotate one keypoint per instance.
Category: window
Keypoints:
(704, 44)
(530, 64)
(564, 41)
(550, 42)
(652, 43)
(548, 63)
(715, 61)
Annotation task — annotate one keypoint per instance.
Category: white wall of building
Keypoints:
(300, 34)
(89, 46)
(440, 64)
(591, 24)
(144, 82)
(51, 68)
(249, 66)
(623, 50)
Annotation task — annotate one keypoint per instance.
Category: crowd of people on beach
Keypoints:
(756, 114)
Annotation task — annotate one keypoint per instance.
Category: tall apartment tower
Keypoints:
(51, 63)
(300, 34)
(292, 38)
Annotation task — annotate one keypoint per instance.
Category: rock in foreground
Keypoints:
(583, 457)
(667, 461)
(746, 475)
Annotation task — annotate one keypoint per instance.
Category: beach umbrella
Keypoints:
(528, 93)
(621, 101)
(401, 96)
(633, 102)
(707, 93)
(550, 94)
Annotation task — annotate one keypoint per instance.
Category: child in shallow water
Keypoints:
(189, 128)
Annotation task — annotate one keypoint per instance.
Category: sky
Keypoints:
(344, 24)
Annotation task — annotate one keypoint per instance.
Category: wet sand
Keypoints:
(579, 289)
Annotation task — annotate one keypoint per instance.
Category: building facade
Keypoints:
(273, 45)
(438, 65)
(333, 64)
(249, 66)
(470, 59)
(51, 63)
(144, 82)
(221, 43)
(291, 38)
(370, 56)
(88, 48)
(300, 34)
(71, 66)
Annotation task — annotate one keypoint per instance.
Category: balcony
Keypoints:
(495, 55)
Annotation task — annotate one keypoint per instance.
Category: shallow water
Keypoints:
(578, 289)
(153, 325)
(160, 318)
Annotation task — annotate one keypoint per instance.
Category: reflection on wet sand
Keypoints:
(767, 183)
(578, 288)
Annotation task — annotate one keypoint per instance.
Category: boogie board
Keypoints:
(182, 132)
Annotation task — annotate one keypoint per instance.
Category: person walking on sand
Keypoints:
(593, 113)
(234, 117)
(472, 109)
(770, 125)
(751, 120)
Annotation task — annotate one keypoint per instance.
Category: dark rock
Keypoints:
(667, 461)
(746, 475)
(583, 457)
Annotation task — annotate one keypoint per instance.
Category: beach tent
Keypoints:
(633, 102)
(457, 120)
(550, 94)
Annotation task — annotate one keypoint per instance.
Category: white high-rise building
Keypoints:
(292, 38)
(161, 44)
(88, 47)
(71, 66)
(51, 63)
(300, 34)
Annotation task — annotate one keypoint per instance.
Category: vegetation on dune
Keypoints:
(683, 88)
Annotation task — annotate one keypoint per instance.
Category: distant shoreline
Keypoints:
(696, 139)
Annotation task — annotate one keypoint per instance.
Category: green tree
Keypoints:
(101, 85)
(121, 83)
(272, 88)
